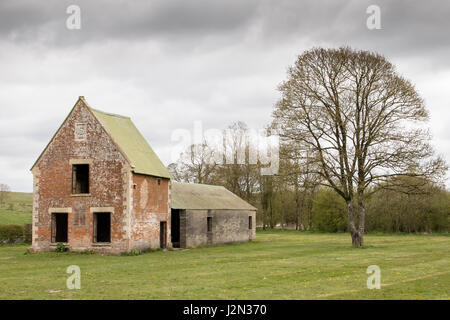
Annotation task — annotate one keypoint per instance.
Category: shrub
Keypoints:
(11, 233)
(329, 212)
(28, 232)
(132, 252)
(409, 208)
(61, 247)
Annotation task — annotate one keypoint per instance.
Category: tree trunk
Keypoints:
(361, 222)
(361, 218)
(356, 234)
(357, 239)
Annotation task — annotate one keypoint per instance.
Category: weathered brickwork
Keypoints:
(150, 206)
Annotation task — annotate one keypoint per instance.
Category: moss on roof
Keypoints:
(203, 196)
(133, 144)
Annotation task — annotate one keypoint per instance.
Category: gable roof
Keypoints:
(203, 196)
(128, 139)
(133, 144)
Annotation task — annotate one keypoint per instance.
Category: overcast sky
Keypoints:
(169, 63)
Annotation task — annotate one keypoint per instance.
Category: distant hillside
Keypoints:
(17, 208)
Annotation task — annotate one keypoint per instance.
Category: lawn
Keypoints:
(17, 208)
(278, 265)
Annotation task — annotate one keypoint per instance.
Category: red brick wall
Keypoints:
(150, 206)
(109, 185)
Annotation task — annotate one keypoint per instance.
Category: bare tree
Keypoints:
(225, 162)
(4, 192)
(361, 121)
(196, 164)
(266, 186)
(237, 173)
(301, 179)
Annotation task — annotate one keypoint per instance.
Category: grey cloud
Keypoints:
(126, 20)
(407, 27)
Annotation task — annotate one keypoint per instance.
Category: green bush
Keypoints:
(28, 232)
(61, 247)
(422, 208)
(11, 233)
(329, 212)
(132, 252)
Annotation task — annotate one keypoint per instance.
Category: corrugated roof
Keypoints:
(133, 144)
(203, 196)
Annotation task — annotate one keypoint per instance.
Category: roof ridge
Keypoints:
(200, 184)
(111, 114)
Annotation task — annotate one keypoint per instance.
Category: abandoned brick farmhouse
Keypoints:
(99, 186)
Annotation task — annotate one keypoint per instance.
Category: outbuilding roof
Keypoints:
(203, 197)
(132, 143)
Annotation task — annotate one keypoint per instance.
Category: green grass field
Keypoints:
(278, 265)
(17, 208)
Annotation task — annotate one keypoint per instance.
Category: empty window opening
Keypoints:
(209, 224)
(159, 182)
(59, 227)
(102, 227)
(80, 178)
(250, 222)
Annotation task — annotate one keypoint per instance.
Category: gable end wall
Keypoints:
(110, 176)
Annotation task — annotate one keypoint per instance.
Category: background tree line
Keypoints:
(296, 199)
(354, 154)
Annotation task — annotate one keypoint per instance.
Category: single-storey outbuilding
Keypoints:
(205, 214)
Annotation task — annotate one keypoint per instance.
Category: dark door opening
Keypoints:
(175, 227)
(102, 227)
(59, 227)
(163, 234)
(209, 227)
(209, 224)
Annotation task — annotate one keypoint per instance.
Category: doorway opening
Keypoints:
(102, 227)
(175, 227)
(163, 234)
(59, 227)
(209, 229)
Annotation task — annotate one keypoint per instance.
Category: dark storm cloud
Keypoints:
(406, 25)
(122, 20)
